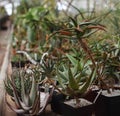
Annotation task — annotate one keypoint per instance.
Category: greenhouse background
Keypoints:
(62, 4)
(59, 57)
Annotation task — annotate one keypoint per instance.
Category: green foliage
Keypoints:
(48, 68)
(81, 55)
(23, 89)
(76, 78)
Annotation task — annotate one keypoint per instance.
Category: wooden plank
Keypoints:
(6, 44)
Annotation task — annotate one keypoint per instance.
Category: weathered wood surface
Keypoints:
(5, 45)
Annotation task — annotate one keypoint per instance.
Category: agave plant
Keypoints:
(26, 96)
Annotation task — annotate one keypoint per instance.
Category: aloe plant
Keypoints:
(112, 62)
(76, 80)
(26, 96)
(79, 31)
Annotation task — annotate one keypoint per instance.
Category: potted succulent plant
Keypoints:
(78, 31)
(74, 78)
(75, 86)
(108, 102)
(24, 92)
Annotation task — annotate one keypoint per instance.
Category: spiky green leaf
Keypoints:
(72, 82)
(89, 81)
(72, 59)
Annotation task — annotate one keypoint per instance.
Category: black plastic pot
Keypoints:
(56, 102)
(107, 106)
(68, 110)
(91, 95)
(20, 114)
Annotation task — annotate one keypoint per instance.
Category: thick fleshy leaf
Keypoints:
(36, 105)
(25, 96)
(74, 21)
(89, 81)
(86, 23)
(17, 100)
(72, 82)
(63, 75)
(33, 91)
(46, 101)
(74, 69)
(16, 96)
(78, 77)
(90, 33)
(61, 82)
(72, 59)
